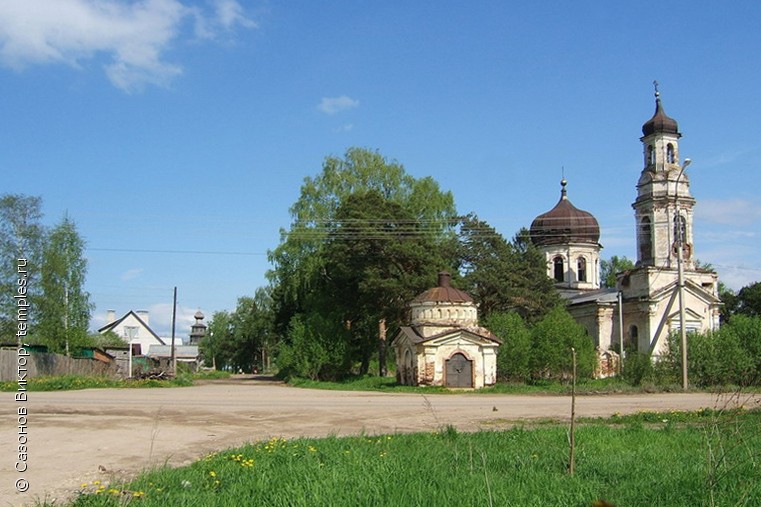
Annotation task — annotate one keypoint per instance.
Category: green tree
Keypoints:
(504, 276)
(299, 279)
(252, 328)
(716, 358)
(609, 269)
(552, 340)
(377, 258)
(21, 237)
(107, 339)
(64, 305)
(297, 259)
(235, 340)
(317, 349)
(515, 352)
(749, 300)
(217, 346)
(729, 302)
(747, 330)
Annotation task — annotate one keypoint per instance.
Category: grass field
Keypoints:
(586, 386)
(73, 382)
(705, 458)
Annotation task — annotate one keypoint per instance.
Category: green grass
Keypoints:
(73, 382)
(388, 384)
(620, 460)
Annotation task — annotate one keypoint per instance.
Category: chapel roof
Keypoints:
(443, 293)
(564, 223)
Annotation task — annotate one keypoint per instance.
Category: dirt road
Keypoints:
(106, 434)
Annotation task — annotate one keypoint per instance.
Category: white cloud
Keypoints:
(728, 211)
(135, 35)
(333, 105)
(230, 13)
(161, 320)
(131, 274)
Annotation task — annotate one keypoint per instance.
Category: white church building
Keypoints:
(644, 307)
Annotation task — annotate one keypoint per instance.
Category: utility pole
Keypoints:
(174, 318)
(680, 225)
(620, 332)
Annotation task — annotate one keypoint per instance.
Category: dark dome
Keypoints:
(564, 224)
(660, 123)
(444, 293)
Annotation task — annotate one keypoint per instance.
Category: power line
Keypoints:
(192, 252)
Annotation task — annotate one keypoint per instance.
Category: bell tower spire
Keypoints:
(663, 207)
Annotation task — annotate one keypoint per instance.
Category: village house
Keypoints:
(134, 328)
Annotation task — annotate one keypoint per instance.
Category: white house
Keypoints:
(134, 328)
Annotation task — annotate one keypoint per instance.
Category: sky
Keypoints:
(176, 133)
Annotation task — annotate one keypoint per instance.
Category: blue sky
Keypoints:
(177, 133)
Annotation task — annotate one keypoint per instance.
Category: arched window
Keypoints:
(680, 229)
(633, 341)
(670, 158)
(558, 269)
(581, 269)
(645, 240)
(650, 154)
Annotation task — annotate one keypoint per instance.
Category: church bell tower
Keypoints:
(664, 206)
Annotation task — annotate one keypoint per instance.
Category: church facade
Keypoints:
(644, 308)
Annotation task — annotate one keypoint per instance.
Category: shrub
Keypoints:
(637, 367)
(514, 353)
(747, 331)
(315, 350)
(552, 340)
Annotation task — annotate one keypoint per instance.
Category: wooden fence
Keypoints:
(44, 364)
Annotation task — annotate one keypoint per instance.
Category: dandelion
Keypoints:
(138, 494)
(83, 485)
(114, 491)
(213, 473)
(312, 449)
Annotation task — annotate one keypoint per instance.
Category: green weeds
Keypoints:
(74, 382)
(624, 460)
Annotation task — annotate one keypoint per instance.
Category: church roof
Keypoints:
(444, 293)
(660, 123)
(564, 223)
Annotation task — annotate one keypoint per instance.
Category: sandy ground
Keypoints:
(107, 434)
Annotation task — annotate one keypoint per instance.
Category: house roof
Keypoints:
(112, 325)
(180, 351)
(413, 334)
